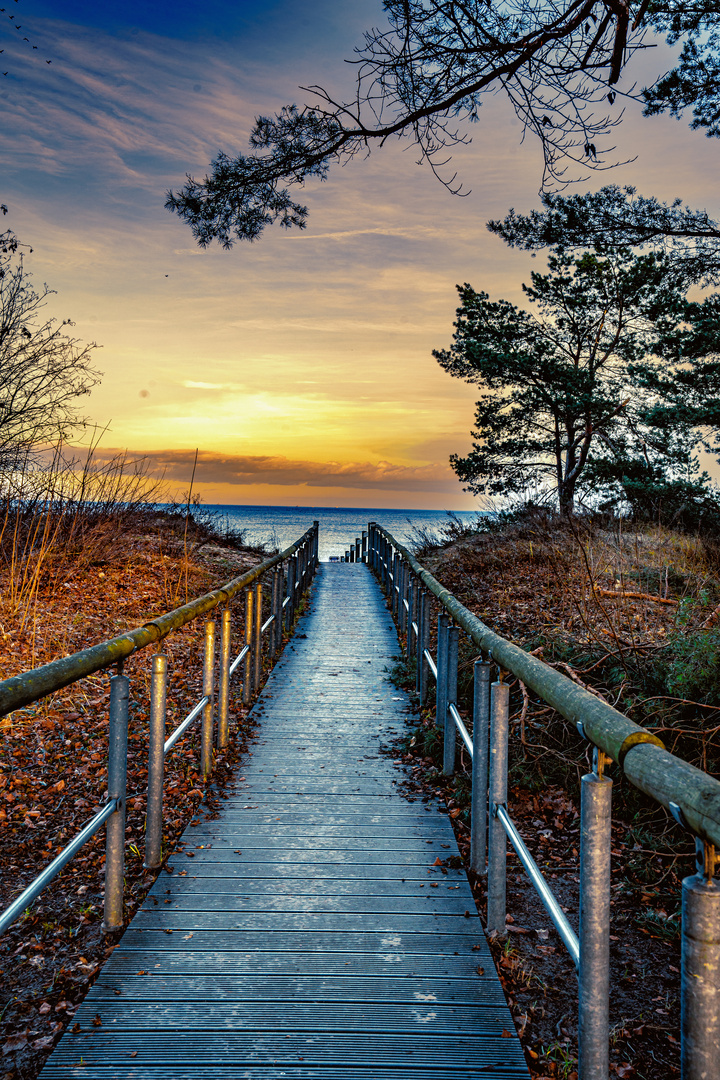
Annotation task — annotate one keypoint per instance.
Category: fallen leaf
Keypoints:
(42, 1044)
(506, 1034)
(15, 1042)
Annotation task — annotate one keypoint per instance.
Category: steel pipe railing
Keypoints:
(185, 724)
(239, 659)
(692, 796)
(427, 657)
(556, 913)
(22, 690)
(461, 729)
(15, 910)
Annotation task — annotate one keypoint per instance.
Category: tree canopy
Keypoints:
(689, 391)
(426, 76)
(575, 389)
(616, 216)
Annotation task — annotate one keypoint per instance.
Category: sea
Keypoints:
(280, 526)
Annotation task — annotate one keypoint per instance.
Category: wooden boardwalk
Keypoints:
(311, 935)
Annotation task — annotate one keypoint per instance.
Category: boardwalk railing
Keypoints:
(21, 690)
(691, 796)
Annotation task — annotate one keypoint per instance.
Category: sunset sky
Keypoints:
(301, 365)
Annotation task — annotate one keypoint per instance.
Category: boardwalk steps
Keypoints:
(310, 935)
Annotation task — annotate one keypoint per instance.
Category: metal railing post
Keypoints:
(400, 605)
(291, 582)
(224, 679)
(441, 659)
(402, 610)
(395, 595)
(206, 743)
(276, 627)
(156, 763)
(364, 546)
(700, 967)
(423, 643)
(258, 643)
(594, 971)
(497, 843)
(412, 617)
(420, 659)
(481, 726)
(247, 667)
(316, 545)
(117, 786)
(449, 737)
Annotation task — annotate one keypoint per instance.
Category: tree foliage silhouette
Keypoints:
(426, 76)
(575, 390)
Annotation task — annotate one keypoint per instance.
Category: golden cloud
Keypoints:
(244, 469)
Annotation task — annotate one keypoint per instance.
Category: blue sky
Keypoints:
(301, 365)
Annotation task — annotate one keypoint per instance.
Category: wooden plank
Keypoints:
(305, 930)
(198, 919)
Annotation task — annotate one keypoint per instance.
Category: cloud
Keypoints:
(250, 469)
